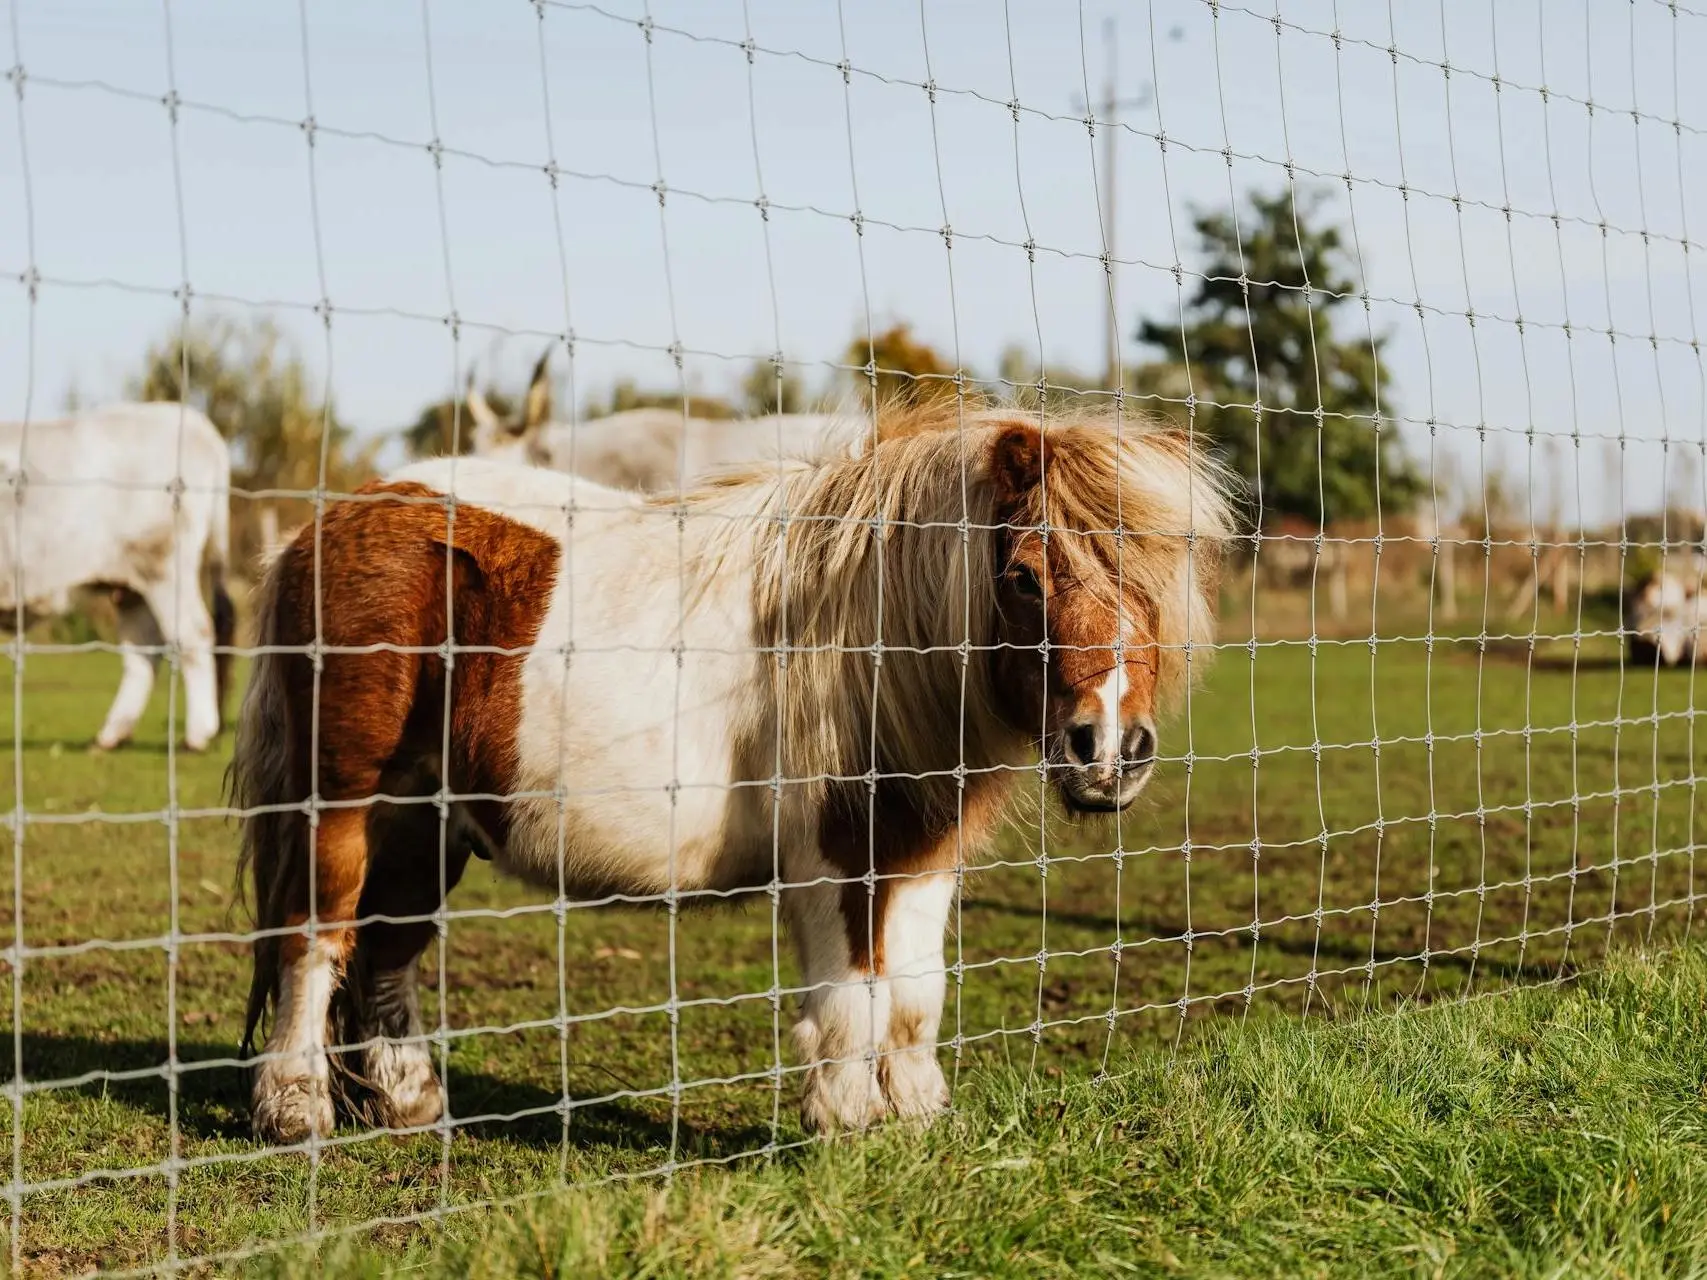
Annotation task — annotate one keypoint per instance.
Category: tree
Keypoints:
(1259, 324)
(256, 390)
(1055, 389)
(766, 388)
(904, 371)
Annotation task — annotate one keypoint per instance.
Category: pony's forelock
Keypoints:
(1138, 516)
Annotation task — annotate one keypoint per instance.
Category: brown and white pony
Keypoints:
(822, 680)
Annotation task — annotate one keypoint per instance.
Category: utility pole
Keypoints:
(1107, 115)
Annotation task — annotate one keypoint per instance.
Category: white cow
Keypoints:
(650, 450)
(1665, 618)
(130, 497)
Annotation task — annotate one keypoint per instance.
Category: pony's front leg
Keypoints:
(915, 918)
(844, 1016)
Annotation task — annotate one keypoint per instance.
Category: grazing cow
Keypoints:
(1664, 618)
(134, 498)
(834, 707)
(650, 450)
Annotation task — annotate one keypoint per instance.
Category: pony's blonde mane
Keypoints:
(1134, 513)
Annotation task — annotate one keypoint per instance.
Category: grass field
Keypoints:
(1554, 1131)
(1524, 811)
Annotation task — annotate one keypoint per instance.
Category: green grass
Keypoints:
(1554, 1131)
(1492, 858)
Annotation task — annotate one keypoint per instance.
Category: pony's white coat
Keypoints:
(648, 754)
(131, 496)
(648, 793)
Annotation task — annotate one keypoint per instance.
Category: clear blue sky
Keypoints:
(401, 245)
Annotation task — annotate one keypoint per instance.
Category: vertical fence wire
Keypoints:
(560, 903)
(175, 668)
(16, 76)
(1487, 517)
(1701, 455)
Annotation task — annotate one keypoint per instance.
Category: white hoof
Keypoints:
(914, 1084)
(842, 1095)
(407, 1092)
(289, 1110)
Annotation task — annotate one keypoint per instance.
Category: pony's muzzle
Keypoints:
(1102, 772)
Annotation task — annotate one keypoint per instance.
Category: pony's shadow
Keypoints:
(1558, 662)
(213, 1098)
(1329, 947)
(1517, 653)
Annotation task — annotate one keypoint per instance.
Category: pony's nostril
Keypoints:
(1140, 750)
(1082, 744)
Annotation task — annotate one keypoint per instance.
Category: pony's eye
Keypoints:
(1025, 582)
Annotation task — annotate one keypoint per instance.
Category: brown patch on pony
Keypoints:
(889, 835)
(906, 1027)
(384, 585)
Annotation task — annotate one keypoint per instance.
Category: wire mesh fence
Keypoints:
(772, 789)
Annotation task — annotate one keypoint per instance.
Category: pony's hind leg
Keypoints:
(292, 1096)
(396, 1060)
(915, 918)
(403, 883)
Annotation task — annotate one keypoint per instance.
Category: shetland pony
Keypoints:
(819, 680)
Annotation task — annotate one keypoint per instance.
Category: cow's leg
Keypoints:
(403, 881)
(915, 917)
(183, 620)
(844, 1016)
(292, 1095)
(137, 632)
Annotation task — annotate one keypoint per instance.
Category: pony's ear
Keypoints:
(1016, 462)
(536, 409)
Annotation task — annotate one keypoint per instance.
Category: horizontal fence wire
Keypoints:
(1441, 741)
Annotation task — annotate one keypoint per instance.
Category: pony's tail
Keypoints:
(273, 855)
